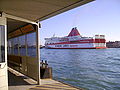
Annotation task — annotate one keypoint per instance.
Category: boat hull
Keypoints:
(79, 48)
(76, 46)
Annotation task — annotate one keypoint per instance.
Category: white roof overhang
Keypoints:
(37, 10)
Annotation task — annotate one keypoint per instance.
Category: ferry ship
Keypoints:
(76, 41)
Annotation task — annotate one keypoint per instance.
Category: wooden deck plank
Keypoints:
(50, 84)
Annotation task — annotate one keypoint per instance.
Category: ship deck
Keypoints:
(18, 81)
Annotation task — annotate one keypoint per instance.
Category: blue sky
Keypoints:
(97, 17)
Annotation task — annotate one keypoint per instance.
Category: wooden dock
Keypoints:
(18, 81)
(49, 84)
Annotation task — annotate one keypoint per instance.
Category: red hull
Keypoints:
(81, 48)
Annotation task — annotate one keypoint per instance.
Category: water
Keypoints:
(91, 69)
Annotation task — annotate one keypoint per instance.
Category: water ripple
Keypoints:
(97, 69)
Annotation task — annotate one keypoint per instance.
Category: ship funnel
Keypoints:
(74, 32)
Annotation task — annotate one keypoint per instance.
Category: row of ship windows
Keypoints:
(73, 42)
(61, 45)
(50, 43)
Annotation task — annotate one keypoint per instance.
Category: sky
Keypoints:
(97, 17)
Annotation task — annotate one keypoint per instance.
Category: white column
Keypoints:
(3, 65)
(38, 52)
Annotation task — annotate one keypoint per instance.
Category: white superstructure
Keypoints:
(75, 41)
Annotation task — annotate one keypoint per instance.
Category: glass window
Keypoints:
(8, 47)
(31, 44)
(16, 44)
(22, 46)
(2, 44)
(12, 46)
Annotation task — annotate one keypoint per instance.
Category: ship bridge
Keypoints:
(19, 25)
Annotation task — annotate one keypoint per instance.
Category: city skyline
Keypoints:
(97, 17)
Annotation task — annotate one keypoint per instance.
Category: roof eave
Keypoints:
(74, 5)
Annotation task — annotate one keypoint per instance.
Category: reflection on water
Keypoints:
(92, 69)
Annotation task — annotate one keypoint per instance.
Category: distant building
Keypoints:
(111, 44)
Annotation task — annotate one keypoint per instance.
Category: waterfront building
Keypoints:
(113, 44)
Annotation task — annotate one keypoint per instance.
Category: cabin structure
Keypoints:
(19, 24)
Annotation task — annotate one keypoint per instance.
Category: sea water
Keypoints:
(91, 69)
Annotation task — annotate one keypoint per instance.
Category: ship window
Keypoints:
(58, 45)
(65, 45)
